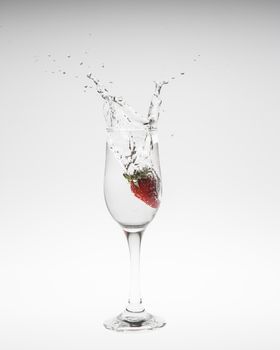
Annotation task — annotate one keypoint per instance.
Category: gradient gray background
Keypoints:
(211, 257)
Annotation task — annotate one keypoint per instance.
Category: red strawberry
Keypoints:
(145, 185)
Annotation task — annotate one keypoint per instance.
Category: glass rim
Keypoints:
(128, 130)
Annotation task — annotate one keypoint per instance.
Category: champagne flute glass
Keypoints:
(132, 194)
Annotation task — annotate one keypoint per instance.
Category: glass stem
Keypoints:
(134, 244)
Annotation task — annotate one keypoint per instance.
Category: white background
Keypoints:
(210, 259)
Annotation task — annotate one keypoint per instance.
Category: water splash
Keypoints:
(154, 109)
(133, 149)
(130, 133)
(119, 114)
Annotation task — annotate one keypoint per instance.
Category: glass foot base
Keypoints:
(132, 321)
